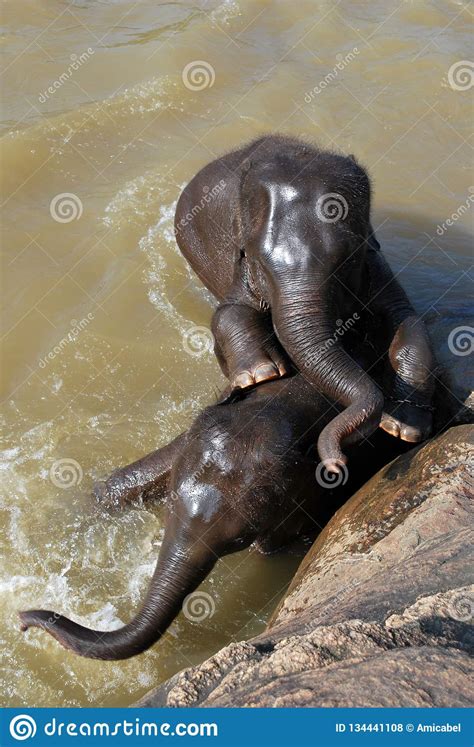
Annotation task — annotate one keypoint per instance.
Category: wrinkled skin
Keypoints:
(280, 233)
(245, 473)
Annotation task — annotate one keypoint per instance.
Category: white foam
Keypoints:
(143, 98)
(15, 583)
(7, 456)
(133, 202)
(56, 384)
(225, 12)
(105, 618)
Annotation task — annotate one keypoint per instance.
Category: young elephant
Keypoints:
(242, 474)
(280, 233)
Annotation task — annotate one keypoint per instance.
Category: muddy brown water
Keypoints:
(106, 114)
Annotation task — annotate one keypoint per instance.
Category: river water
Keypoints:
(109, 108)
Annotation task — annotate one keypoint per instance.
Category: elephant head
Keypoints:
(238, 476)
(305, 230)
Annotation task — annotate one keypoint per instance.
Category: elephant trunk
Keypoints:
(180, 569)
(307, 332)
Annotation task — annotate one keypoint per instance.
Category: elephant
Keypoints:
(279, 231)
(245, 473)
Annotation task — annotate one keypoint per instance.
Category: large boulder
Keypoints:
(380, 610)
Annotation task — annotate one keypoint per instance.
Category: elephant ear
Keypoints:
(253, 200)
(247, 194)
(367, 233)
(241, 218)
(372, 243)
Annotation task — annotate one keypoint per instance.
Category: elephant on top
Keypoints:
(280, 232)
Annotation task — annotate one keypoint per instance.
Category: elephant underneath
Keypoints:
(245, 473)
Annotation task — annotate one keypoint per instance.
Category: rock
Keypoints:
(380, 610)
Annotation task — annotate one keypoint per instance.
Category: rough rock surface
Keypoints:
(380, 610)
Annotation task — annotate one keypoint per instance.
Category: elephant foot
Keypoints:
(407, 421)
(246, 346)
(263, 369)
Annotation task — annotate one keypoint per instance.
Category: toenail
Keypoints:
(265, 371)
(243, 380)
(412, 435)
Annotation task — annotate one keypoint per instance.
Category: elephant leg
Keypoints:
(246, 346)
(144, 479)
(409, 383)
(408, 376)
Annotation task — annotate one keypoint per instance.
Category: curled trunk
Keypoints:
(307, 332)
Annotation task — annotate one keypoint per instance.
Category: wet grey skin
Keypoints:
(285, 243)
(245, 473)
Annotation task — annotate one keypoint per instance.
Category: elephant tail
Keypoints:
(180, 569)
